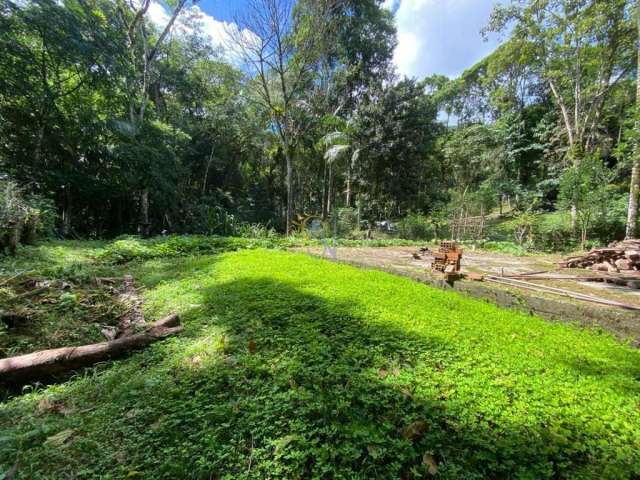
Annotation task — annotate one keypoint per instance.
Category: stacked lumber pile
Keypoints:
(447, 259)
(617, 257)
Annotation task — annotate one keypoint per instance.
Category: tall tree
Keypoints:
(582, 49)
(282, 63)
(634, 188)
(142, 53)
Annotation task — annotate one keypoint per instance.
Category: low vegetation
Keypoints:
(293, 367)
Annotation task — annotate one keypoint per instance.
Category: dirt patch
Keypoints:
(401, 260)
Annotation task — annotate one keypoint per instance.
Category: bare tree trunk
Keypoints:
(144, 213)
(324, 191)
(206, 173)
(348, 196)
(634, 188)
(329, 189)
(66, 212)
(289, 190)
(574, 219)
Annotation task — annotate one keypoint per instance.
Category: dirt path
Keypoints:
(401, 260)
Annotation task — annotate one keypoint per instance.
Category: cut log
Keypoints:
(617, 256)
(612, 268)
(600, 267)
(624, 264)
(48, 363)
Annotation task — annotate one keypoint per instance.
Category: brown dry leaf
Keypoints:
(414, 430)
(56, 406)
(252, 346)
(196, 360)
(282, 442)
(44, 405)
(158, 423)
(131, 413)
(406, 392)
(60, 438)
(431, 464)
(382, 373)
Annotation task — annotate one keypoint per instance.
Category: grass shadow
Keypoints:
(315, 390)
(272, 381)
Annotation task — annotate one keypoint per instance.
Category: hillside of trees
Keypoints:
(112, 124)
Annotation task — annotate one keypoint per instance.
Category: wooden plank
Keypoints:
(560, 291)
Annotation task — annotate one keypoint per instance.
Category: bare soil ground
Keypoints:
(401, 260)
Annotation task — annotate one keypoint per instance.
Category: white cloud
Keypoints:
(194, 18)
(441, 36)
(390, 4)
(157, 14)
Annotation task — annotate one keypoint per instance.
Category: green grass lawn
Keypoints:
(354, 374)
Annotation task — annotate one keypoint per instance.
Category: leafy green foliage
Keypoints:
(585, 188)
(416, 227)
(133, 248)
(553, 231)
(22, 215)
(294, 367)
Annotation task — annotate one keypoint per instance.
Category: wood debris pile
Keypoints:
(447, 259)
(617, 257)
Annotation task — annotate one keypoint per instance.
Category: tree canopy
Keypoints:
(130, 126)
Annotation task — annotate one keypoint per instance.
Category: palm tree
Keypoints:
(338, 145)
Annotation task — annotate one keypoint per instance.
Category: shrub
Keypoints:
(345, 223)
(213, 220)
(586, 188)
(611, 225)
(504, 247)
(22, 217)
(128, 248)
(553, 232)
(537, 231)
(254, 230)
(416, 227)
(521, 228)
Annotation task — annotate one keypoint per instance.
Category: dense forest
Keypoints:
(111, 123)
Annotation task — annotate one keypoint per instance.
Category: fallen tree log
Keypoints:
(48, 363)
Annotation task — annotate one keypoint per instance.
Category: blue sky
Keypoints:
(434, 36)
(222, 9)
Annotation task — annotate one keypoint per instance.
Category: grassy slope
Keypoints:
(356, 374)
